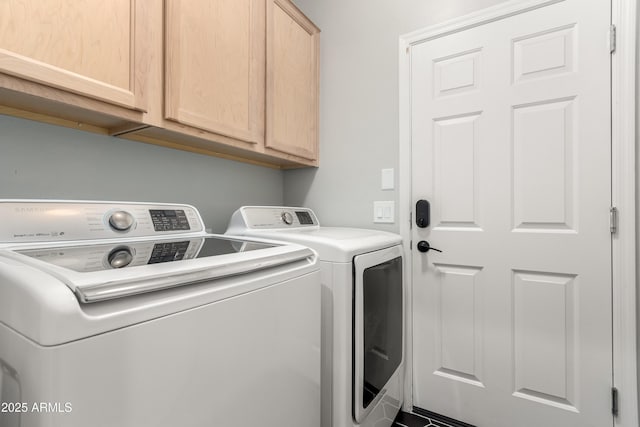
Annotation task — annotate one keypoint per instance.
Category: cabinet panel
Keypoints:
(89, 47)
(292, 81)
(215, 66)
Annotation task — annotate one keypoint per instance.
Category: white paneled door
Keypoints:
(511, 146)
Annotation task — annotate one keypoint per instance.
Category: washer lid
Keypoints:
(101, 271)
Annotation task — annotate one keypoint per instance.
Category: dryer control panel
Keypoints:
(272, 217)
(48, 221)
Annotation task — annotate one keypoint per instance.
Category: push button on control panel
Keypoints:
(121, 220)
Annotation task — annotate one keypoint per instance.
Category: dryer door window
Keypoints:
(378, 330)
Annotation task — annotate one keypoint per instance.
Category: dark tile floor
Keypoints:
(428, 420)
(410, 420)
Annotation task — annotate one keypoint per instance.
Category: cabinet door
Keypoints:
(94, 48)
(215, 66)
(292, 81)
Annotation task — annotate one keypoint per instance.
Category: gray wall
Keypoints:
(43, 161)
(359, 102)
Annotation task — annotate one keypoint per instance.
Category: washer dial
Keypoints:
(120, 257)
(121, 220)
(287, 218)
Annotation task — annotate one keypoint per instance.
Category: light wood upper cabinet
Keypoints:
(292, 81)
(214, 66)
(230, 78)
(232, 64)
(94, 48)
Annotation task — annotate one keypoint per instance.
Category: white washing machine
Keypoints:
(131, 315)
(362, 311)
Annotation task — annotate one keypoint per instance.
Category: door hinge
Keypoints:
(613, 220)
(410, 220)
(407, 50)
(614, 401)
(612, 38)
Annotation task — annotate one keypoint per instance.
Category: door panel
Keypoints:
(458, 335)
(455, 170)
(511, 145)
(543, 135)
(545, 337)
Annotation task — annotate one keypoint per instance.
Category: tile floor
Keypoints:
(412, 420)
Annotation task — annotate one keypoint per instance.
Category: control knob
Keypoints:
(120, 257)
(287, 218)
(121, 220)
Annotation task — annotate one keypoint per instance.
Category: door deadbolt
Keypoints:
(423, 213)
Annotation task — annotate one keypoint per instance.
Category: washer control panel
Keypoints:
(46, 221)
(273, 217)
(85, 258)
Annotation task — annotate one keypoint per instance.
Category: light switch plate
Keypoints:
(387, 179)
(383, 212)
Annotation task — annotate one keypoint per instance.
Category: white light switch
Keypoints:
(387, 179)
(383, 212)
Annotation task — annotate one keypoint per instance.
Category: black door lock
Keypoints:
(423, 213)
(424, 246)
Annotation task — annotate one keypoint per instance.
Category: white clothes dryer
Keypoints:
(131, 315)
(362, 311)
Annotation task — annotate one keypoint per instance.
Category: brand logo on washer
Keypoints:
(31, 210)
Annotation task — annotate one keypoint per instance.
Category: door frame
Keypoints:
(623, 194)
